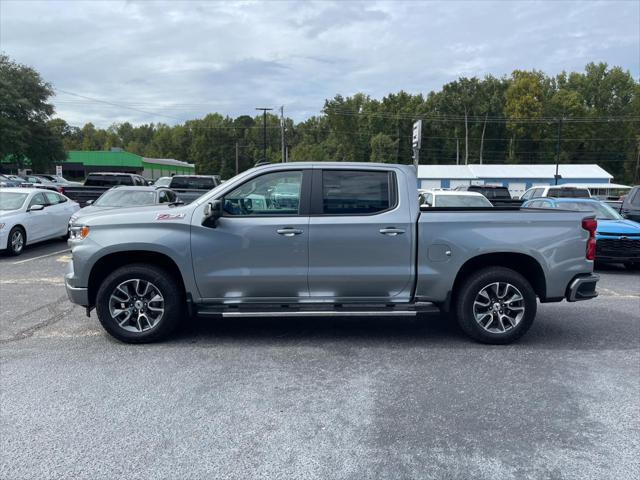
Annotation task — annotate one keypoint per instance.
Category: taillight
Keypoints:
(590, 225)
(61, 190)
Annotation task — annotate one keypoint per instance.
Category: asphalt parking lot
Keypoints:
(312, 398)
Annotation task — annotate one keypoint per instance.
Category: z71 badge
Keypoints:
(169, 216)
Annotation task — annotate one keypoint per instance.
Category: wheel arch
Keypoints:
(522, 263)
(110, 262)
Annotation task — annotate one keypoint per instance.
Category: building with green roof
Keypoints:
(81, 162)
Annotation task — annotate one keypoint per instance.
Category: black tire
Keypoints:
(14, 250)
(470, 289)
(169, 289)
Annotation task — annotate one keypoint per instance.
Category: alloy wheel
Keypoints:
(499, 307)
(136, 305)
(17, 241)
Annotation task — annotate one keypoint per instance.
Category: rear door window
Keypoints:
(347, 192)
(107, 180)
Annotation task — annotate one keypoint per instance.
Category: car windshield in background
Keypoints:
(194, 183)
(12, 200)
(125, 198)
(107, 180)
(568, 193)
(492, 192)
(461, 201)
(163, 182)
(602, 211)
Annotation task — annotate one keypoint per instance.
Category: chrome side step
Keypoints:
(310, 313)
(341, 310)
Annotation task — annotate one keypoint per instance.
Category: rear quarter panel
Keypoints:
(554, 239)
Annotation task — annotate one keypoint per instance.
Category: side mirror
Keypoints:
(89, 202)
(35, 208)
(212, 212)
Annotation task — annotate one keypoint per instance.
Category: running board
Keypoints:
(248, 311)
(328, 313)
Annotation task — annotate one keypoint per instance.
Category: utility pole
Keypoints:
(237, 159)
(457, 151)
(264, 130)
(283, 148)
(557, 176)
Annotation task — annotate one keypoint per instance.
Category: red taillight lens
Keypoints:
(61, 190)
(590, 225)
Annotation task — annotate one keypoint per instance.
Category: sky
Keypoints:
(169, 61)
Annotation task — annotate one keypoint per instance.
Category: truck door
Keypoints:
(258, 250)
(360, 236)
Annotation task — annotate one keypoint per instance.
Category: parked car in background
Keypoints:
(556, 191)
(30, 215)
(123, 197)
(498, 195)
(631, 205)
(99, 182)
(57, 179)
(452, 198)
(40, 182)
(5, 181)
(617, 239)
(162, 182)
(190, 187)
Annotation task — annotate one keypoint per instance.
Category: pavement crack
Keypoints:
(56, 316)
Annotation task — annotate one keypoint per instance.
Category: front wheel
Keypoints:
(495, 305)
(16, 241)
(139, 303)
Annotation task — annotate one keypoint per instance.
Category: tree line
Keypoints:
(591, 116)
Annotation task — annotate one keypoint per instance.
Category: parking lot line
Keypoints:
(41, 256)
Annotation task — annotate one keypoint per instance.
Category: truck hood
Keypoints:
(618, 227)
(137, 215)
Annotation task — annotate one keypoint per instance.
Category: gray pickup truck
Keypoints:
(353, 241)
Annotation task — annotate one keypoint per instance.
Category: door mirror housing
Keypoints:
(212, 212)
(89, 202)
(35, 208)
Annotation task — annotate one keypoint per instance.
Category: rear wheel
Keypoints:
(16, 241)
(139, 303)
(495, 305)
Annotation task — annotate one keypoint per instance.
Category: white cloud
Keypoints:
(184, 59)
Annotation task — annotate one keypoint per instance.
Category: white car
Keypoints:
(31, 215)
(556, 191)
(452, 198)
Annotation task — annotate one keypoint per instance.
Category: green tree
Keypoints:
(24, 115)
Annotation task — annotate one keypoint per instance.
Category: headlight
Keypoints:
(78, 232)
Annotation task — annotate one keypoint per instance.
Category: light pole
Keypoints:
(264, 130)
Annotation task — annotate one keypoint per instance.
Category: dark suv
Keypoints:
(631, 205)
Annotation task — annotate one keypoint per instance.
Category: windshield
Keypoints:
(12, 200)
(461, 201)
(163, 182)
(602, 211)
(125, 198)
(196, 183)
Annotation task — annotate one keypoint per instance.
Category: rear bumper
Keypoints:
(582, 287)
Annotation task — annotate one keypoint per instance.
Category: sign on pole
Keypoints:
(417, 141)
(59, 170)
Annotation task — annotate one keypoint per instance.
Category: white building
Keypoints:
(517, 178)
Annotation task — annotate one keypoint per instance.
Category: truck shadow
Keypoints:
(550, 331)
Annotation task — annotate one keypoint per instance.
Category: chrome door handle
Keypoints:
(289, 232)
(391, 231)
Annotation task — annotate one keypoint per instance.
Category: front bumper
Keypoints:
(582, 287)
(77, 295)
